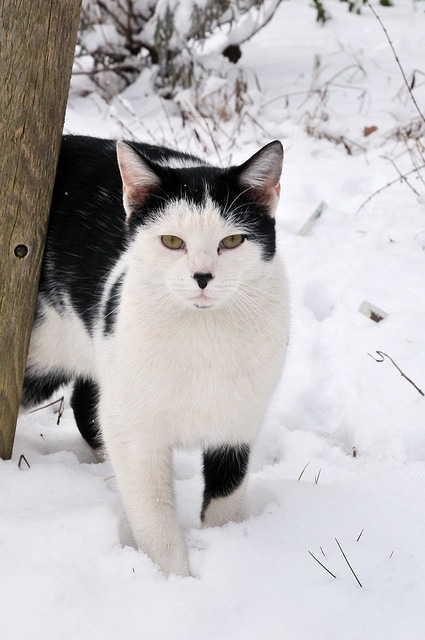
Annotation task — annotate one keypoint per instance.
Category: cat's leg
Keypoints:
(84, 402)
(145, 480)
(225, 471)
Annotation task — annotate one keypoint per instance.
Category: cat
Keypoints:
(163, 297)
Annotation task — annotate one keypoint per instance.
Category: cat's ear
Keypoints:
(260, 175)
(138, 178)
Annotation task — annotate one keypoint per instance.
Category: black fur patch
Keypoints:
(84, 401)
(40, 388)
(87, 231)
(195, 184)
(224, 471)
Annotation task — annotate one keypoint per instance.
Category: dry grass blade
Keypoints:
(322, 565)
(302, 472)
(60, 410)
(22, 459)
(360, 535)
(349, 565)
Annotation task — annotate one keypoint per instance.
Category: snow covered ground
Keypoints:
(341, 458)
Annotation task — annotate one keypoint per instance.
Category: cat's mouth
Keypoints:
(203, 301)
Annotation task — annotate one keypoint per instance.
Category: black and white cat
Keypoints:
(162, 294)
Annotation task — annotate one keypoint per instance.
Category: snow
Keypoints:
(341, 456)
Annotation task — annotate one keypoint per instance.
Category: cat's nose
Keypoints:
(203, 279)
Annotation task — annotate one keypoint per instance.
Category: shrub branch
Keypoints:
(397, 59)
(382, 357)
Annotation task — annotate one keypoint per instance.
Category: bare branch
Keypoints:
(406, 82)
(401, 178)
(382, 357)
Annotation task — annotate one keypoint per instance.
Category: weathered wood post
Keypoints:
(37, 42)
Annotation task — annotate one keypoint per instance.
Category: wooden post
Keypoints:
(37, 42)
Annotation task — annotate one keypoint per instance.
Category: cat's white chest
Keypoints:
(198, 378)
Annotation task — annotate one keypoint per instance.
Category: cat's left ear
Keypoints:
(260, 175)
(138, 178)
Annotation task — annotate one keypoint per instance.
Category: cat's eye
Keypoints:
(231, 242)
(172, 242)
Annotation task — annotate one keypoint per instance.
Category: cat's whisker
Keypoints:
(254, 309)
(229, 207)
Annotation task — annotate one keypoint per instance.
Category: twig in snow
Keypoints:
(406, 82)
(322, 565)
(60, 410)
(346, 560)
(360, 535)
(61, 402)
(22, 459)
(382, 357)
(401, 178)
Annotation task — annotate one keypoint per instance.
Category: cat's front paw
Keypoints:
(174, 564)
(170, 558)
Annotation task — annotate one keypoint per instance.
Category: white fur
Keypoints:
(61, 342)
(180, 370)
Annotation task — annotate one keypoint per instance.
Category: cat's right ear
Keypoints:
(260, 175)
(138, 179)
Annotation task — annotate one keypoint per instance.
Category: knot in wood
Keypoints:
(21, 251)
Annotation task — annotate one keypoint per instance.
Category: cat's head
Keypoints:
(201, 234)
